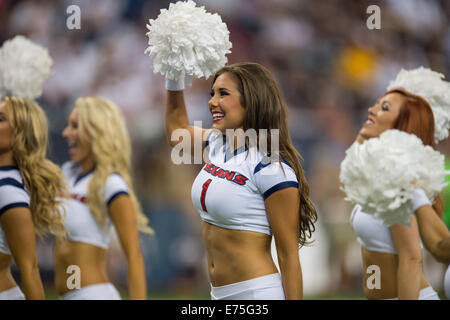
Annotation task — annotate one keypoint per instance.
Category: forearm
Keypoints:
(291, 275)
(176, 114)
(434, 233)
(408, 278)
(137, 284)
(32, 284)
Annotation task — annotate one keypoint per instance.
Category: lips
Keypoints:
(72, 147)
(369, 121)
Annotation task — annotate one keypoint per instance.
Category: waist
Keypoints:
(81, 262)
(248, 289)
(235, 256)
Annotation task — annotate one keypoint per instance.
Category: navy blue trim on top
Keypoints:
(7, 168)
(14, 205)
(281, 185)
(229, 155)
(11, 182)
(82, 176)
(115, 195)
(262, 165)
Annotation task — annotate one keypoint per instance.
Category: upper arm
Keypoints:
(282, 209)
(279, 188)
(122, 214)
(407, 240)
(121, 211)
(17, 224)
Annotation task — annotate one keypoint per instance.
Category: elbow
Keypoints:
(441, 253)
(28, 267)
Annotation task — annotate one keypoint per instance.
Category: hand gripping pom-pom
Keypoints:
(431, 86)
(185, 40)
(382, 173)
(24, 66)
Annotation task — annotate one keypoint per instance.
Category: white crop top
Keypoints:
(230, 189)
(13, 194)
(79, 221)
(372, 234)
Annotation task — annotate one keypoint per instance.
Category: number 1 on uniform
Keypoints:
(202, 198)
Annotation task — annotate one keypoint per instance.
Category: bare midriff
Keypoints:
(236, 255)
(388, 265)
(90, 259)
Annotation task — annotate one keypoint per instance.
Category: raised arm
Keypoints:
(18, 227)
(176, 118)
(122, 214)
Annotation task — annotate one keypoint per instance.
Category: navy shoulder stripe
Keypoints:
(14, 205)
(11, 182)
(7, 168)
(281, 185)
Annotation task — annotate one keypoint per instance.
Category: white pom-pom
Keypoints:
(185, 40)
(381, 173)
(24, 66)
(429, 85)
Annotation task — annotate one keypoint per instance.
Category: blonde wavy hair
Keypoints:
(101, 122)
(43, 179)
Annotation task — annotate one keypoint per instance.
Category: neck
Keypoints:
(6, 159)
(235, 141)
(87, 165)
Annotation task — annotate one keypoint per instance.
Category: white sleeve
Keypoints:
(12, 195)
(269, 177)
(115, 186)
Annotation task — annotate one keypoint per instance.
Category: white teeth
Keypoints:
(217, 115)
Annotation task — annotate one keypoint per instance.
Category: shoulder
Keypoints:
(13, 193)
(115, 185)
(271, 175)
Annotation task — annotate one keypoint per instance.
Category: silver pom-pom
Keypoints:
(24, 66)
(431, 86)
(381, 173)
(185, 40)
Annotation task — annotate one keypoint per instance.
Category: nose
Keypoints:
(372, 109)
(65, 132)
(213, 102)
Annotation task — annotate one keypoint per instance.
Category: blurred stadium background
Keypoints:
(330, 67)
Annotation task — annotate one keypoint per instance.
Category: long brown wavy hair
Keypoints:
(265, 108)
(416, 117)
(42, 178)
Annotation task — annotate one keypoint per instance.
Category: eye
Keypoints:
(385, 107)
(223, 93)
(211, 93)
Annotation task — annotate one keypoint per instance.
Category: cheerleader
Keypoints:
(102, 196)
(396, 250)
(243, 197)
(29, 187)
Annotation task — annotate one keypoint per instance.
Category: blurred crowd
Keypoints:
(330, 66)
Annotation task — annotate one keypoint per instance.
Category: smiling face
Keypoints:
(80, 149)
(6, 131)
(225, 103)
(382, 116)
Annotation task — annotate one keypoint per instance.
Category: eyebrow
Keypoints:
(226, 89)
